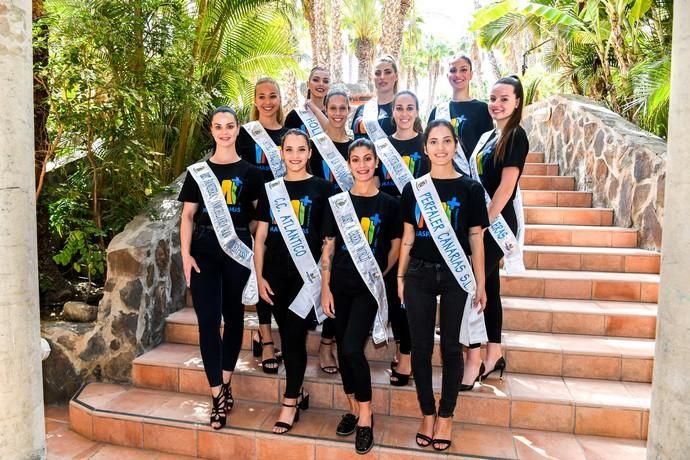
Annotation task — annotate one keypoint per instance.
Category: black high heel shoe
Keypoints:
(268, 363)
(364, 439)
(466, 387)
(441, 444)
(302, 403)
(219, 412)
(499, 366)
(401, 380)
(229, 400)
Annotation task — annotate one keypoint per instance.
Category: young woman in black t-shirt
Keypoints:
(386, 86)
(318, 85)
(346, 297)
(470, 117)
(215, 279)
(423, 275)
(500, 164)
(268, 111)
(278, 278)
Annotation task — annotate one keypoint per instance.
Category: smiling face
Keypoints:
(295, 152)
(440, 146)
(385, 77)
(502, 102)
(319, 83)
(224, 129)
(337, 110)
(405, 111)
(267, 99)
(363, 163)
(459, 74)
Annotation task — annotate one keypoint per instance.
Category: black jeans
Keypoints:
(423, 282)
(217, 291)
(355, 310)
(292, 328)
(396, 313)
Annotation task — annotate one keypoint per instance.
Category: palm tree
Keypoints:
(436, 54)
(411, 50)
(315, 15)
(393, 25)
(336, 37)
(362, 18)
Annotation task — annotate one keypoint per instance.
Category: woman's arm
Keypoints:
(477, 248)
(265, 290)
(393, 255)
(186, 227)
(327, 253)
(509, 178)
(404, 260)
(323, 119)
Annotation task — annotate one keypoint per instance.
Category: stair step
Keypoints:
(561, 316)
(554, 198)
(568, 216)
(580, 235)
(178, 424)
(624, 260)
(528, 182)
(566, 284)
(535, 157)
(179, 368)
(540, 169)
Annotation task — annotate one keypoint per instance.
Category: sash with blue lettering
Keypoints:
(370, 115)
(223, 227)
(364, 260)
(264, 141)
(394, 163)
(460, 160)
(501, 233)
(310, 295)
(472, 327)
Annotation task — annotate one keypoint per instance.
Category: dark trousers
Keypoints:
(328, 329)
(216, 293)
(355, 310)
(396, 312)
(423, 282)
(292, 328)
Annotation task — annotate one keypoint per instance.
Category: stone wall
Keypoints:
(624, 166)
(144, 284)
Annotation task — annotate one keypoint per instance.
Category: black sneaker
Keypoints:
(364, 439)
(347, 425)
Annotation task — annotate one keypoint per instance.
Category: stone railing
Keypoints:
(624, 166)
(145, 283)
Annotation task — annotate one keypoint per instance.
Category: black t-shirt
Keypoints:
(463, 200)
(515, 155)
(385, 120)
(309, 198)
(293, 120)
(471, 119)
(250, 151)
(241, 184)
(320, 168)
(412, 153)
(379, 216)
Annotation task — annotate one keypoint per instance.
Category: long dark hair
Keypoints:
(361, 142)
(435, 124)
(315, 69)
(514, 120)
(418, 121)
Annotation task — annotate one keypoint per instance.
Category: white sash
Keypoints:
(472, 327)
(371, 120)
(310, 121)
(394, 163)
(222, 224)
(460, 160)
(264, 141)
(499, 229)
(363, 258)
(310, 295)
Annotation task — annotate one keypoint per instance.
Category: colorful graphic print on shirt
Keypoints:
(452, 210)
(486, 155)
(261, 160)
(302, 208)
(413, 162)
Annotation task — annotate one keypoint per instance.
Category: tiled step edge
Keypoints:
(580, 235)
(622, 260)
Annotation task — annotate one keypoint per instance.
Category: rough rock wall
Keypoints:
(623, 165)
(145, 283)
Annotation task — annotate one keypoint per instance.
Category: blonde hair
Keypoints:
(388, 59)
(255, 110)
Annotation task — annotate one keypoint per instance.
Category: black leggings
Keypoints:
(292, 328)
(423, 282)
(216, 291)
(355, 310)
(396, 312)
(264, 311)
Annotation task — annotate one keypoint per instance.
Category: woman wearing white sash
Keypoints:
(279, 279)
(346, 295)
(216, 280)
(469, 117)
(267, 110)
(423, 274)
(386, 86)
(499, 164)
(318, 85)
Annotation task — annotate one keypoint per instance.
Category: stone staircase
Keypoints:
(579, 331)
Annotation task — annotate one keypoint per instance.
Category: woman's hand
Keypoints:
(327, 302)
(265, 290)
(188, 263)
(401, 288)
(479, 300)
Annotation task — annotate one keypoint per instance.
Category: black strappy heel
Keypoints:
(302, 403)
(219, 412)
(329, 369)
(229, 400)
(257, 351)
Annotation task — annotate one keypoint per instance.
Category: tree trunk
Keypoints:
(41, 107)
(291, 98)
(337, 47)
(322, 52)
(308, 11)
(389, 22)
(364, 52)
